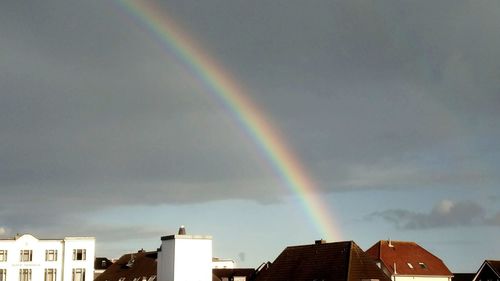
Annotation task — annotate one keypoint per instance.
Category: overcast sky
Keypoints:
(393, 107)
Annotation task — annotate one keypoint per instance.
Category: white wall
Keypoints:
(74, 243)
(218, 263)
(185, 258)
(193, 260)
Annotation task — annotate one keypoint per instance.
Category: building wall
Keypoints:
(218, 263)
(165, 261)
(185, 258)
(73, 262)
(38, 263)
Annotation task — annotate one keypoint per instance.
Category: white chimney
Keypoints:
(184, 257)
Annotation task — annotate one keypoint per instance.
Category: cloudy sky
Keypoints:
(392, 107)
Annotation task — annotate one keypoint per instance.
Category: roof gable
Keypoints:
(495, 266)
(488, 269)
(408, 258)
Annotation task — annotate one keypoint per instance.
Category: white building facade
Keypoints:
(26, 258)
(185, 257)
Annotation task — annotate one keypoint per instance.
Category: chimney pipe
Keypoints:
(319, 242)
(182, 230)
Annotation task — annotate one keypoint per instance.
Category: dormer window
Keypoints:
(410, 265)
(422, 265)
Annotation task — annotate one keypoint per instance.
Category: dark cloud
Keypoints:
(368, 94)
(445, 214)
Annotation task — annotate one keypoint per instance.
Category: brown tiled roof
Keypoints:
(232, 272)
(463, 276)
(339, 261)
(408, 258)
(495, 266)
(130, 266)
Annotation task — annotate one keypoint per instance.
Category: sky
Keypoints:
(390, 107)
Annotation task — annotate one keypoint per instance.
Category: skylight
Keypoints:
(422, 265)
(410, 265)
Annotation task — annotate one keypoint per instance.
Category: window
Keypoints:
(3, 274)
(79, 254)
(410, 265)
(50, 274)
(26, 255)
(50, 255)
(24, 274)
(78, 274)
(422, 265)
(3, 255)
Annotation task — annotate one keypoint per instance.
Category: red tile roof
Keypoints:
(407, 258)
(340, 261)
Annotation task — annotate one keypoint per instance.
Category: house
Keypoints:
(180, 257)
(26, 257)
(489, 271)
(133, 266)
(321, 261)
(408, 261)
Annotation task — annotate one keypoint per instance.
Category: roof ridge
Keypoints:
(349, 260)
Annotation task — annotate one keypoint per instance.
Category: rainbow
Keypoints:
(228, 92)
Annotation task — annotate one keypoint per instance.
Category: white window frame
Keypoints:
(3, 255)
(78, 272)
(26, 255)
(3, 274)
(79, 254)
(25, 274)
(51, 255)
(50, 274)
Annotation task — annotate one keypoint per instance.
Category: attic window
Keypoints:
(422, 265)
(410, 265)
